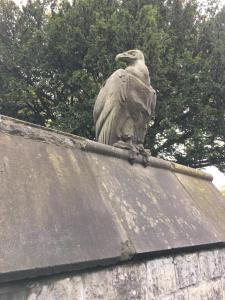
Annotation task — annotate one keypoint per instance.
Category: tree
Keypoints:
(54, 58)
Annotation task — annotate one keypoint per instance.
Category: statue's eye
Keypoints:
(132, 53)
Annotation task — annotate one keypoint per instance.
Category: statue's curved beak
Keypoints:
(125, 57)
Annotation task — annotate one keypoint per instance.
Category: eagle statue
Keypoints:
(125, 103)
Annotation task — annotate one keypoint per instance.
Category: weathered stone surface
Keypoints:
(152, 206)
(202, 194)
(52, 214)
(62, 289)
(155, 279)
(129, 282)
(181, 295)
(99, 285)
(210, 263)
(207, 290)
(161, 277)
(66, 206)
(16, 291)
(187, 270)
(123, 282)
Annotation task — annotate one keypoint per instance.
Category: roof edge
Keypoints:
(48, 135)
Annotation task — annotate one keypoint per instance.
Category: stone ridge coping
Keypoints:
(39, 133)
(105, 263)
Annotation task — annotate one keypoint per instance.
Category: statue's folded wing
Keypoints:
(107, 109)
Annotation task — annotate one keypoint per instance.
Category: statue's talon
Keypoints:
(142, 150)
(133, 156)
(133, 151)
(146, 154)
(123, 145)
(146, 160)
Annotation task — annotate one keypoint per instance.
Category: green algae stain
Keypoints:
(58, 164)
(74, 161)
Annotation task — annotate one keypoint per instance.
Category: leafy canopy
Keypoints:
(55, 56)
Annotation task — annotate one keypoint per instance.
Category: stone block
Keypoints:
(129, 282)
(210, 264)
(223, 287)
(57, 289)
(181, 295)
(98, 285)
(161, 278)
(187, 270)
(221, 254)
(211, 290)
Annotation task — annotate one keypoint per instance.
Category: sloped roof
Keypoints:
(68, 203)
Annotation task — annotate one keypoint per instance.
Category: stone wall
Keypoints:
(190, 276)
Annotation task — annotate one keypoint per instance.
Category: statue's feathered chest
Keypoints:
(123, 100)
(139, 95)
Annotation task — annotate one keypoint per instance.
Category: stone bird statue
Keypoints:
(125, 103)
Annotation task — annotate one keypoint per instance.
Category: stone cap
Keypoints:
(68, 203)
(64, 139)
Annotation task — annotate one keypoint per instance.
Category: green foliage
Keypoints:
(54, 58)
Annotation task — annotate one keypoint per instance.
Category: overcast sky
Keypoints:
(218, 177)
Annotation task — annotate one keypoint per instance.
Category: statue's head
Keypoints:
(130, 56)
